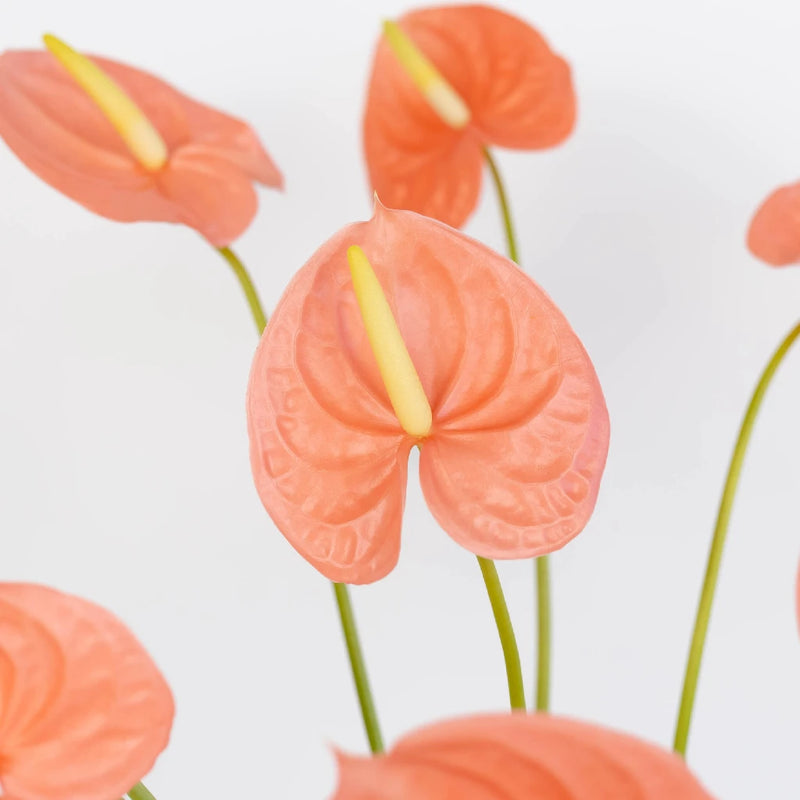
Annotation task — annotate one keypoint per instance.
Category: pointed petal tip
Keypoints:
(379, 210)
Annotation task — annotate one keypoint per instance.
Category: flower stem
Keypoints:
(349, 629)
(358, 667)
(543, 648)
(505, 208)
(718, 542)
(140, 792)
(516, 686)
(256, 309)
(543, 616)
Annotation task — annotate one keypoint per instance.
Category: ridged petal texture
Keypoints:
(83, 710)
(58, 131)
(518, 757)
(774, 234)
(518, 91)
(512, 465)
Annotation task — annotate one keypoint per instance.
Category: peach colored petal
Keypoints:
(83, 710)
(520, 432)
(183, 121)
(774, 234)
(519, 93)
(60, 134)
(523, 404)
(518, 757)
(525, 407)
(209, 193)
(328, 456)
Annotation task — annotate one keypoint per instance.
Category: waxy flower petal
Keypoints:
(518, 757)
(774, 234)
(83, 710)
(61, 134)
(512, 463)
(518, 92)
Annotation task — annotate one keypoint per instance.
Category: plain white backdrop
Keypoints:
(125, 350)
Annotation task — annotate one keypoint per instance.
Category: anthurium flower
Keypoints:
(774, 234)
(445, 83)
(128, 146)
(518, 757)
(83, 710)
(402, 331)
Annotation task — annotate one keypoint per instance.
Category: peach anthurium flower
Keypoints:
(518, 757)
(446, 82)
(448, 345)
(83, 710)
(774, 234)
(128, 146)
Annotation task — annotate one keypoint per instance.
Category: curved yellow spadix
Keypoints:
(394, 362)
(139, 134)
(441, 96)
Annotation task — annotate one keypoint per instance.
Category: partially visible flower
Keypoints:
(446, 345)
(83, 710)
(472, 76)
(518, 757)
(774, 234)
(128, 146)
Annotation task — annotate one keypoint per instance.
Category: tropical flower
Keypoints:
(445, 83)
(774, 234)
(83, 710)
(518, 757)
(128, 146)
(446, 345)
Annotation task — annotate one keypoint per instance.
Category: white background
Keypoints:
(125, 349)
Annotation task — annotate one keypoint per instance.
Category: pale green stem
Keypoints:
(718, 542)
(347, 619)
(505, 208)
(543, 646)
(256, 309)
(140, 792)
(358, 667)
(516, 685)
(543, 610)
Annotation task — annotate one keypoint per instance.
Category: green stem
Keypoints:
(516, 686)
(543, 616)
(256, 309)
(140, 792)
(505, 209)
(349, 629)
(543, 649)
(718, 542)
(358, 668)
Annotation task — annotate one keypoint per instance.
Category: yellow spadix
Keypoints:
(138, 133)
(442, 97)
(394, 362)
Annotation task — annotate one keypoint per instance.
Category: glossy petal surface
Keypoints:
(58, 132)
(774, 234)
(518, 757)
(519, 93)
(513, 461)
(83, 710)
